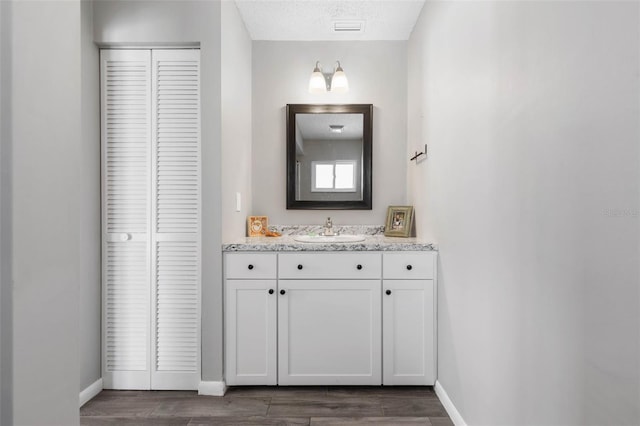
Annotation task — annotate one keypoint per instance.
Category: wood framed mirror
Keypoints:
(329, 163)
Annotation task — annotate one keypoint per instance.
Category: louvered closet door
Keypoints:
(176, 219)
(151, 218)
(126, 183)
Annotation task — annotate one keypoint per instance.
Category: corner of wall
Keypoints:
(89, 191)
(6, 309)
(46, 159)
(236, 100)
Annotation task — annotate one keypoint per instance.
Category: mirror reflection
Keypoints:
(329, 156)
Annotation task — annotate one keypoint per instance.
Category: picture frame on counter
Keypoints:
(257, 226)
(399, 221)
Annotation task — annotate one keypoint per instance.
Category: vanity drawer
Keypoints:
(329, 265)
(249, 266)
(408, 265)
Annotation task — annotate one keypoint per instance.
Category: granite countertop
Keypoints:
(287, 243)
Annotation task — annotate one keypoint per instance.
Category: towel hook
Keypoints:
(419, 154)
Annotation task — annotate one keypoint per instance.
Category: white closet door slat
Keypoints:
(176, 219)
(126, 144)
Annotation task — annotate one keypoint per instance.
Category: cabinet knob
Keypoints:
(299, 266)
(282, 291)
(250, 267)
(359, 267)
(388, 292)
(270, 291)
(409, 267)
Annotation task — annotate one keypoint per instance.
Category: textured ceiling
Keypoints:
(309, 20)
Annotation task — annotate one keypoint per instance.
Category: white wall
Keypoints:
(6, 369)
(531, 190)
(236, 122)
(376, 73)
(126, 22)
(46, 162)
(89, 208)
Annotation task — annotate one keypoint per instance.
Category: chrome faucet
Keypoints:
(328, 228)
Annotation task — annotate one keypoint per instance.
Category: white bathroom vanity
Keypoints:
(330, 314)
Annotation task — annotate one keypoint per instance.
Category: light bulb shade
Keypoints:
(339, 83)
(317, 83)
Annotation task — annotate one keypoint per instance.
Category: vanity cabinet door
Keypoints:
(250, 332)
(329, 332)
(408, 327)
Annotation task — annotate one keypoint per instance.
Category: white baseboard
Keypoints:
(212, 388)
(453, 412)
(90, 391)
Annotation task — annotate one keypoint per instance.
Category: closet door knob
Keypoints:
(299, 266)
(271, 291)
(250, 267)
(409, 267)
(125, 237)
(282, 291)
(388, 292)
(359, 267)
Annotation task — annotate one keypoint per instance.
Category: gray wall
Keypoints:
(89, 208)
(376, 73)
(180, 23)
(531, 190)
(236, 122)
(47, 154)
(6, 369)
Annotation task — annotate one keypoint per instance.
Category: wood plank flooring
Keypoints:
(262, 405)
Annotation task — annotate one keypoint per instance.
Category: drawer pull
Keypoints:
(282, 291)
(359, 267)
(388, 292)
(271, 291)
(299, 266)
(250, 267)
(409, 267)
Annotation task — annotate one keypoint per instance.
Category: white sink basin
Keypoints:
(328, 239)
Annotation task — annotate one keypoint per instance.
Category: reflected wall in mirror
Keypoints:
(329, 156)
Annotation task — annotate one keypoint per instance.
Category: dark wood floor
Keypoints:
(317, 405)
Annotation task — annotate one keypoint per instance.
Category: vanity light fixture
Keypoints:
(339, 83)
(330, 82)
